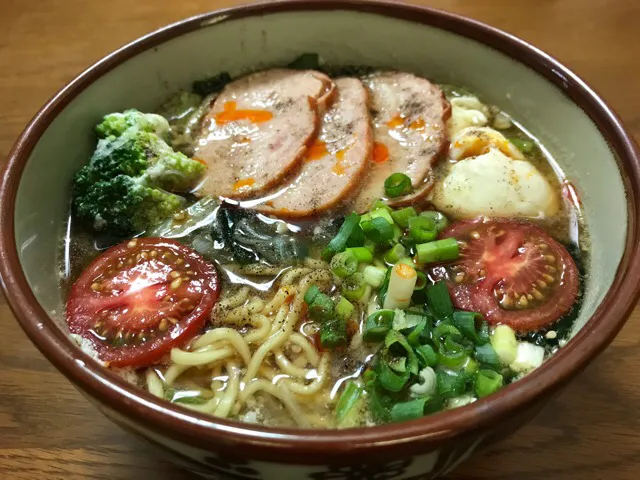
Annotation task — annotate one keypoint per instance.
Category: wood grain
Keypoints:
(48, 430)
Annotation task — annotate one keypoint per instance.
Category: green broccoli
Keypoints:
(115, 124)
(126, 187)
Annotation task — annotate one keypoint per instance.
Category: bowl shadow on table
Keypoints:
(584, 430)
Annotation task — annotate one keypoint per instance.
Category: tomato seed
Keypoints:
(179, 261)
(537, 294)
(542, 284)
(550, 258)
(550, 269)
(154, 253)
(172, 320)
(174, 274)
(164, 324)
(551, 334)
(543, 246)
(523, 302)
(176, 283)
(96, 287)
(548, 278)
(132, 243)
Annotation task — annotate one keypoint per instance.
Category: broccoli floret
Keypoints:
(126, 187)
(115, 124)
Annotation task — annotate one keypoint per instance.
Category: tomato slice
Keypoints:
(510, 272)
(141, 298)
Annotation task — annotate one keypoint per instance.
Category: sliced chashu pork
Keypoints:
(409, 118)
(259, 128)
(337, 160)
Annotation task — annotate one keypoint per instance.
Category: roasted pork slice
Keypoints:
(335, 163)
(409, 121)
(258, 130)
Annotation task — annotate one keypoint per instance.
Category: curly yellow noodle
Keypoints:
(282, 393)
(317, 383)
(154, 384)
(291, 275)
(235, 300)
(287, 367)
(201, 357)
(230, 392)
(173, 372)
(278, 299)
(308, 349)
(222, 334)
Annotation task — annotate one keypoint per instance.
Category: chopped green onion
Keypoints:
(384, 287)
(333, 333)
(466, 322)
(439, 300)
(426, 356)
(443, 250)
(410, 410)
(470, 367)
(362, 254)
(486, 355)
(348, 400)
(321, 308)
(397, 234)
(357, 238)
(450, 384)
(339, 242)
(525, 146)
(414, 336)
(312, 291)
(438, 218)
(421, 282)
(353, 287)
(390, 380)
(374, 276)
(377, 325)
(397, 343)
(422, 229)
(344, 309)
(380, 204)
(397, 184)
(344, 264)
(377, 213)
(402, 216)
(505, 343)
(487, 382)
(394, 254)
(377, 230)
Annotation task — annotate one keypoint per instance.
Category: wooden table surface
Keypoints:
(48, 430)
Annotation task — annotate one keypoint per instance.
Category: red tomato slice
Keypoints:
(141, 298)
(510, 272)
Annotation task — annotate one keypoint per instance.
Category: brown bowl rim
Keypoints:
(322, 446)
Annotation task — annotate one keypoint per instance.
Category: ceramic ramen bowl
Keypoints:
(579, 130)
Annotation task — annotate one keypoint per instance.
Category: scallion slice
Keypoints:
(472, 326)
(422, 229)
(374, 276)
(362, 254)
(410, 410)
(402, 216)
(486, 355)
(310, 296)
(344, 309)
(377, 325)
(353, 287)
(397, 184)
(394, 254)
(438, 218)
(487, 382)
(348, 400)
(450, 384)
(321, 308)
(344, 264)
(439, 300)
(333, 333)
(443, 250)
(377, 229)
(421, 282)
(339, 242)
(389, 379)
(426, 356)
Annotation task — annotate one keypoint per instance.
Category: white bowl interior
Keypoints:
(341, 38)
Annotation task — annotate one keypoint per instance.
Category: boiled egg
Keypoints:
(474, 141)
(466, 111)
(494, 184)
